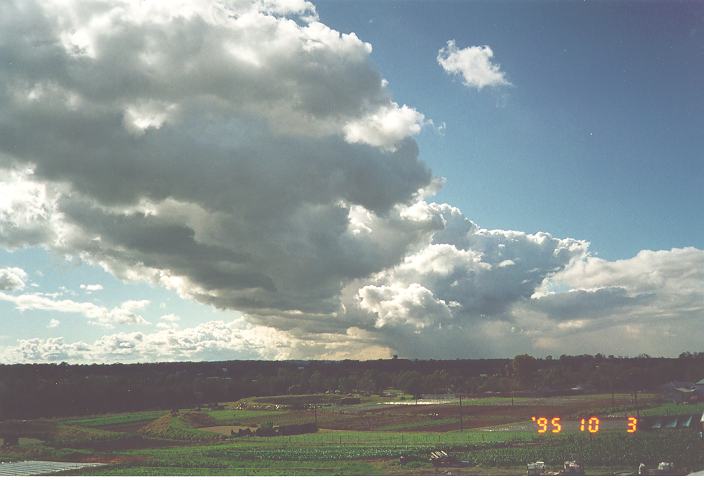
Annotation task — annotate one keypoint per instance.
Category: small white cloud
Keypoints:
(53, 323)
(473, 63)
(90, 288)
(12, 278)
(152, 115)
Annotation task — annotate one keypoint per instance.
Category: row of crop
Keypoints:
(684, 448)
(225, 454)
(249, 468)
(115, 419)
(457, 438)
(79, 436)
(225, 458)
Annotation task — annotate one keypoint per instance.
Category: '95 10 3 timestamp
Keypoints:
(554, 425)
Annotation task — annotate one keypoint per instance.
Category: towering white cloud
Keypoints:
(221, 155)
(474, 64)
(462, 286)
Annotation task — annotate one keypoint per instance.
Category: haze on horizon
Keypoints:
(274, 179)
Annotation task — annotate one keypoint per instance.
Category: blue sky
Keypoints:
(600, 136)
(237, 181)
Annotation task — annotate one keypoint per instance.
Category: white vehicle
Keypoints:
(536, 468)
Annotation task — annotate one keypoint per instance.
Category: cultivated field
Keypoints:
(359, 436)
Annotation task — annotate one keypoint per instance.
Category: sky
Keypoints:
(276, 179)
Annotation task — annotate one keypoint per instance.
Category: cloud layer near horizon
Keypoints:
(251, 158)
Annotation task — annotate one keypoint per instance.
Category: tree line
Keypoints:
(52, 390)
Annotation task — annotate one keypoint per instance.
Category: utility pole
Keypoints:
(315, 413)
(461, 426)
(637, 407)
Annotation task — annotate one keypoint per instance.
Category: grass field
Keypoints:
(117, 419)
(673, 409)
(227, 417)
(362, 439)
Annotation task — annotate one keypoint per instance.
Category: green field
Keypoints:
(242, 416)
(673, 409)
(117, 419)
(373, 437)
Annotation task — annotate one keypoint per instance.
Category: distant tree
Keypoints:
(368, 382)
(411, 382)
(524, 368)
(316, 382)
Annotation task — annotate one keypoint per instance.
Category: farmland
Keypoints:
(361, 437)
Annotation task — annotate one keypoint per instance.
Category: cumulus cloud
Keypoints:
(213, 340)
(26, 209)
(461, 287)
(12, 278)
(660, 289)
(210, 340)
(473, 63)
(225, 139)
(124, 314)
(476, 292)
(249, 157)
(90, 288)
(53, 323)
(413, 304)
(385, 127)
(676, 271)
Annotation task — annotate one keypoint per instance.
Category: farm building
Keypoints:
(662, 422)
(680, 392)
(699, 388)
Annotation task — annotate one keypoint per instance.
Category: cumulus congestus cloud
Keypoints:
(218, 147)
(251, 158)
